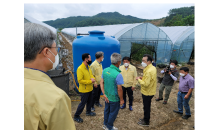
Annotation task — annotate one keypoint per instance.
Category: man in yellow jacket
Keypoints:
(96, 68)
(46, 107)
(148, 87)
(85, 80)
(129, 74)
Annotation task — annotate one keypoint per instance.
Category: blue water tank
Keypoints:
(94, 42)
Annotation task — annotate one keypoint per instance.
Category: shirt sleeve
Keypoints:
(119, 79)
(102, 75)
(162, 71)
(191, 83)
(134, 78)
(145, 80)
(173, 77)
(59, 117)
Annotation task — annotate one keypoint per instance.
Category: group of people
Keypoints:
(47, 107)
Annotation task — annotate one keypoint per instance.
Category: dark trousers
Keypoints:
(110, 113)
(129, 93)
(86, 99)
(96, 92)
(147, 107)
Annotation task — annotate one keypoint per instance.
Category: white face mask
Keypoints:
(171, 66)
(143, 64)
(182, 74)
(102, 60)
(126, 64)
(56, 61)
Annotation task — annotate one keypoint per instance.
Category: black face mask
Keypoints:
(89, 62)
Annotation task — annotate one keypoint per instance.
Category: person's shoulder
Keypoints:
(44, 89)
(93, 64)
(121, 67)
(132, 66)
(190, 77)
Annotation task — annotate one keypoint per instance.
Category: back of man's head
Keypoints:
(36, 37)
(115, 58)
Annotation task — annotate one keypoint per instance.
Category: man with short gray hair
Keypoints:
(46, 107)
(111, 87)
(96, 68)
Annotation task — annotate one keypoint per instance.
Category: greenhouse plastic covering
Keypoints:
(32, 20)
(140, 33)
(110, 30)
(183, 40)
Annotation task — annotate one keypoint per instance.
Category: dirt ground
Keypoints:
(162, 116)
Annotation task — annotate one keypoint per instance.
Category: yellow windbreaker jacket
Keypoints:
(84, 79)
(129, 75)
(46, 107)
(96, 71)
(149, 81)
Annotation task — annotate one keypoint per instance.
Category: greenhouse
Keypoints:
(146, 34)
(183, 41)
(32, 20)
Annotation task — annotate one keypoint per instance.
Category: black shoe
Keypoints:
(78, 119)
(143, 123)
(90, 114)
(92, 109)
(164, 102)
(158, 99)
(98, 105)
(178, 112)
(186, 116)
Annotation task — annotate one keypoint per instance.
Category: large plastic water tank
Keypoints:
(92, 43)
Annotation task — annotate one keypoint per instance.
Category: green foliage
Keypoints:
(96, 20)
(139, 54)
(179, 21)
(178, 12)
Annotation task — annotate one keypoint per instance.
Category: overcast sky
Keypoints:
(44, 12)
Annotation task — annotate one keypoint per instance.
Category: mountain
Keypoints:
(107, 18)
(66, 22)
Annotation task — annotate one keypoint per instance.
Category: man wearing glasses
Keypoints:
(46, 107)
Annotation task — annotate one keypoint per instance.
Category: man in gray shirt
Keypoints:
(168, 81)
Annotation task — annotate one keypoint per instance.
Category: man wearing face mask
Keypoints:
(96, 68)
(168, 81)
(148, 87)
(85, 80)
(46, 107)
(129, 74)
(186, 86)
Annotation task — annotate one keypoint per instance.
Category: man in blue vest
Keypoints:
(111, 87)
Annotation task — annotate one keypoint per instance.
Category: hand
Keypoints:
(169, 73)
(137, 78)
(105, 98)
(133, 88)
(140, 77)
(121, 102)
(165, 70)
(95, 85)
(186, 96)
(93, 80)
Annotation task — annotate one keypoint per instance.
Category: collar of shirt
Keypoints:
(146, 68)
(38, 70)
(186, 76)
